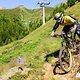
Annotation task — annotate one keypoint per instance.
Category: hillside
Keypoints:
(38, 50)
(74, 10)
(38, 12)
(19, 22)
(27, 13)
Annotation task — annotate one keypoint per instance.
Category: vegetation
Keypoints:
(60, 8)
(72, 2)
(20, 21)
(63, 6)
(11, 28)
(36, 48)
(17, 23)
(18, 77)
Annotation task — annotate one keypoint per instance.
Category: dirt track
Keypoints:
(57, 73)
(10, 73)
(51, 72)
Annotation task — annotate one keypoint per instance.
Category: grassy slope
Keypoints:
(28, 14)
(39, 11)
(74, 10)
(34, 47)
(39, 39)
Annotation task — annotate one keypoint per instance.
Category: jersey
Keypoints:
(66, 20)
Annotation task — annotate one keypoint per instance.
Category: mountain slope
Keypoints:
(26, 13)
(38, 12)
(18, 22)
(36, 48)
(74, 10)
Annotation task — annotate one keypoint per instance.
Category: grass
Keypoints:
(36, 47)
(74, 10)
(30, 74)
(18, 77)
(28, 14)
(33, 46)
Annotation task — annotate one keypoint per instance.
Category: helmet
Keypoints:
(58, 16)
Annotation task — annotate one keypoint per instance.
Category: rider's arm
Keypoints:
(55, 26)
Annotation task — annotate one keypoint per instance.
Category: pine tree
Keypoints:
(70, 2)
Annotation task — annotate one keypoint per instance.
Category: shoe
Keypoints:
(78, 75)
(72, 50)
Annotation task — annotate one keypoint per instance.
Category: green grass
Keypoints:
(37, 41)
(28, 14)
(74, 10)
(32, 42)
(37, 46)
(18, 77)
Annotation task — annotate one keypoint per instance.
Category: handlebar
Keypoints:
(57, 35)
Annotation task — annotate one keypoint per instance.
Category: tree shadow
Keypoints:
(55, 54)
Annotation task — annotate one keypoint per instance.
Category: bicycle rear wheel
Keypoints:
(65, 58)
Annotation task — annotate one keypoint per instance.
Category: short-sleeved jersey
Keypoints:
(67, 20)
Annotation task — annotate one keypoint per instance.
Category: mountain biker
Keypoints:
(69, 23)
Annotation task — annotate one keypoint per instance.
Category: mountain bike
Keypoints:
(68, 46)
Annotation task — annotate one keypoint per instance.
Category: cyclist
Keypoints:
(69, 23)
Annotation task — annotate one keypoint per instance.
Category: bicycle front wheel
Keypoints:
(65, 58)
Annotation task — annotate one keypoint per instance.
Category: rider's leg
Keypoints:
(65, 32)
(65, 37)
(66, 29)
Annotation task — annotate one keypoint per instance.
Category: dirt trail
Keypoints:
(13, 71)
(51, 72)
(10, 73)
(57, 73)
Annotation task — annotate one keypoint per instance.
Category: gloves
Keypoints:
(52, 34)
